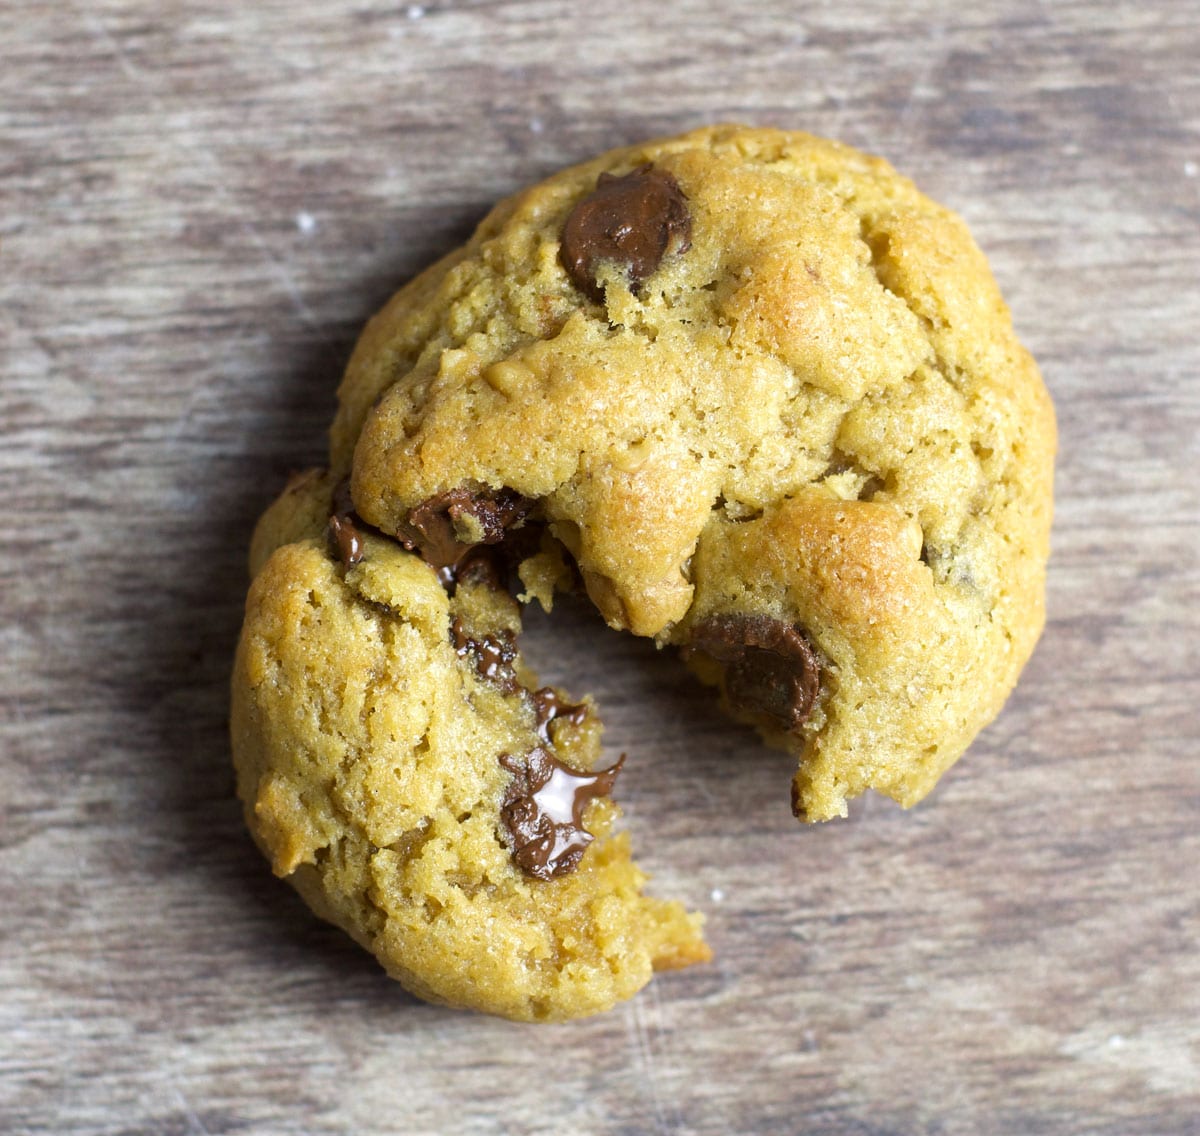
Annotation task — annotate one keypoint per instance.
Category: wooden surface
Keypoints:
(200, 203)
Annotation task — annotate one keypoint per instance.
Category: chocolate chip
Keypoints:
(448, 525)
(478, 566)
(343, 526)
(549, 705)
(770, 667)
(346, 540)
(494, 655)
(629, 220)
(543, 809)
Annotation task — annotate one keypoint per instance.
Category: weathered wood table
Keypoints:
(200, 202)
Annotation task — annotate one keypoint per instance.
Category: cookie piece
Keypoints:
(400, 766)
(768, 400)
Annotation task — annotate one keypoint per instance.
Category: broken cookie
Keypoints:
(761, 400)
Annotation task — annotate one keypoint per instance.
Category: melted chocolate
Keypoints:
(770, 667)
(494, 655)
(434, 526)
(346, 540)
(629, 220)
(548, 705)
(543, 809)
(343, 526)
(476, 566)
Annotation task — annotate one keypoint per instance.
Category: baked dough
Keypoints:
(760, 399)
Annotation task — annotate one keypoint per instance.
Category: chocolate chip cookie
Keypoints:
(758, 397)
(402, 767)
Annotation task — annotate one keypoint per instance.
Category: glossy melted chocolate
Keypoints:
(494, 655)
(549, 705)
(435, 527)
(543, 811)
(343, 526)
(346, 540)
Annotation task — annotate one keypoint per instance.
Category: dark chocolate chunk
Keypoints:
(494, 655)
(478, 565)
(770, 667)
(630, 220)
(346, 540)
(543, 809)
(343, 525)
(450, 524)
(548, 705)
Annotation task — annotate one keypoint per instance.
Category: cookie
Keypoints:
(403, 769)
(761, 400)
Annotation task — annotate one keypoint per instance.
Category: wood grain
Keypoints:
(201, 202)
